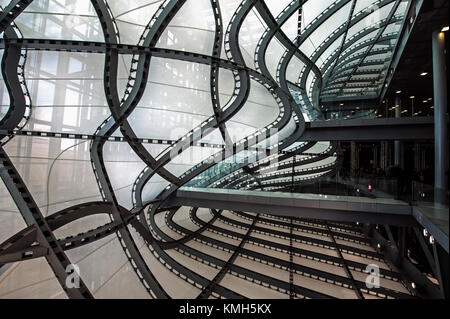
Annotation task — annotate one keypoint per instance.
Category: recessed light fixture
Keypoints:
(398, 92)
(431, 240)
(444, 29)
(423, 73)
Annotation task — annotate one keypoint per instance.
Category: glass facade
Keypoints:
(123, 102)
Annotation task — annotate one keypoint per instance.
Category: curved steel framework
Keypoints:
(348, 61)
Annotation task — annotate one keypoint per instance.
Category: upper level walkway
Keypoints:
(405, 128)
(435, 219)
(315, 206)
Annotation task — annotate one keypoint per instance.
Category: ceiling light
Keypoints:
(432, 240)
(444, 29)
(423, 73)
(412, 97)
(398, 92)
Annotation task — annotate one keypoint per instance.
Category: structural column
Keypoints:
(397, 144)
(417, 157)
(385, 156)
(440, 117)
(354, 158)
(376, 162)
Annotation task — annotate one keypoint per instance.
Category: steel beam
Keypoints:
(370, 130)
(293, 205)
(11, 12)
(412, 12)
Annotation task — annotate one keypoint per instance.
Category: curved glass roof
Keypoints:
(120, 103)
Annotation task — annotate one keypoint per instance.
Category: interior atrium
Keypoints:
(224, 149)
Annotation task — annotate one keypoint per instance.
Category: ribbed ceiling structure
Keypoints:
(108, 107)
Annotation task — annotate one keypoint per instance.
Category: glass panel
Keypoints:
(71, 20)
(122, 164)
(4, 96)
(290, 27)
(273, 56)
(177, 99)
(313, 9)
(11, 221)
(67, 91)
(55, 170)
(186, 32)
(250, 34)
(132, 17)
